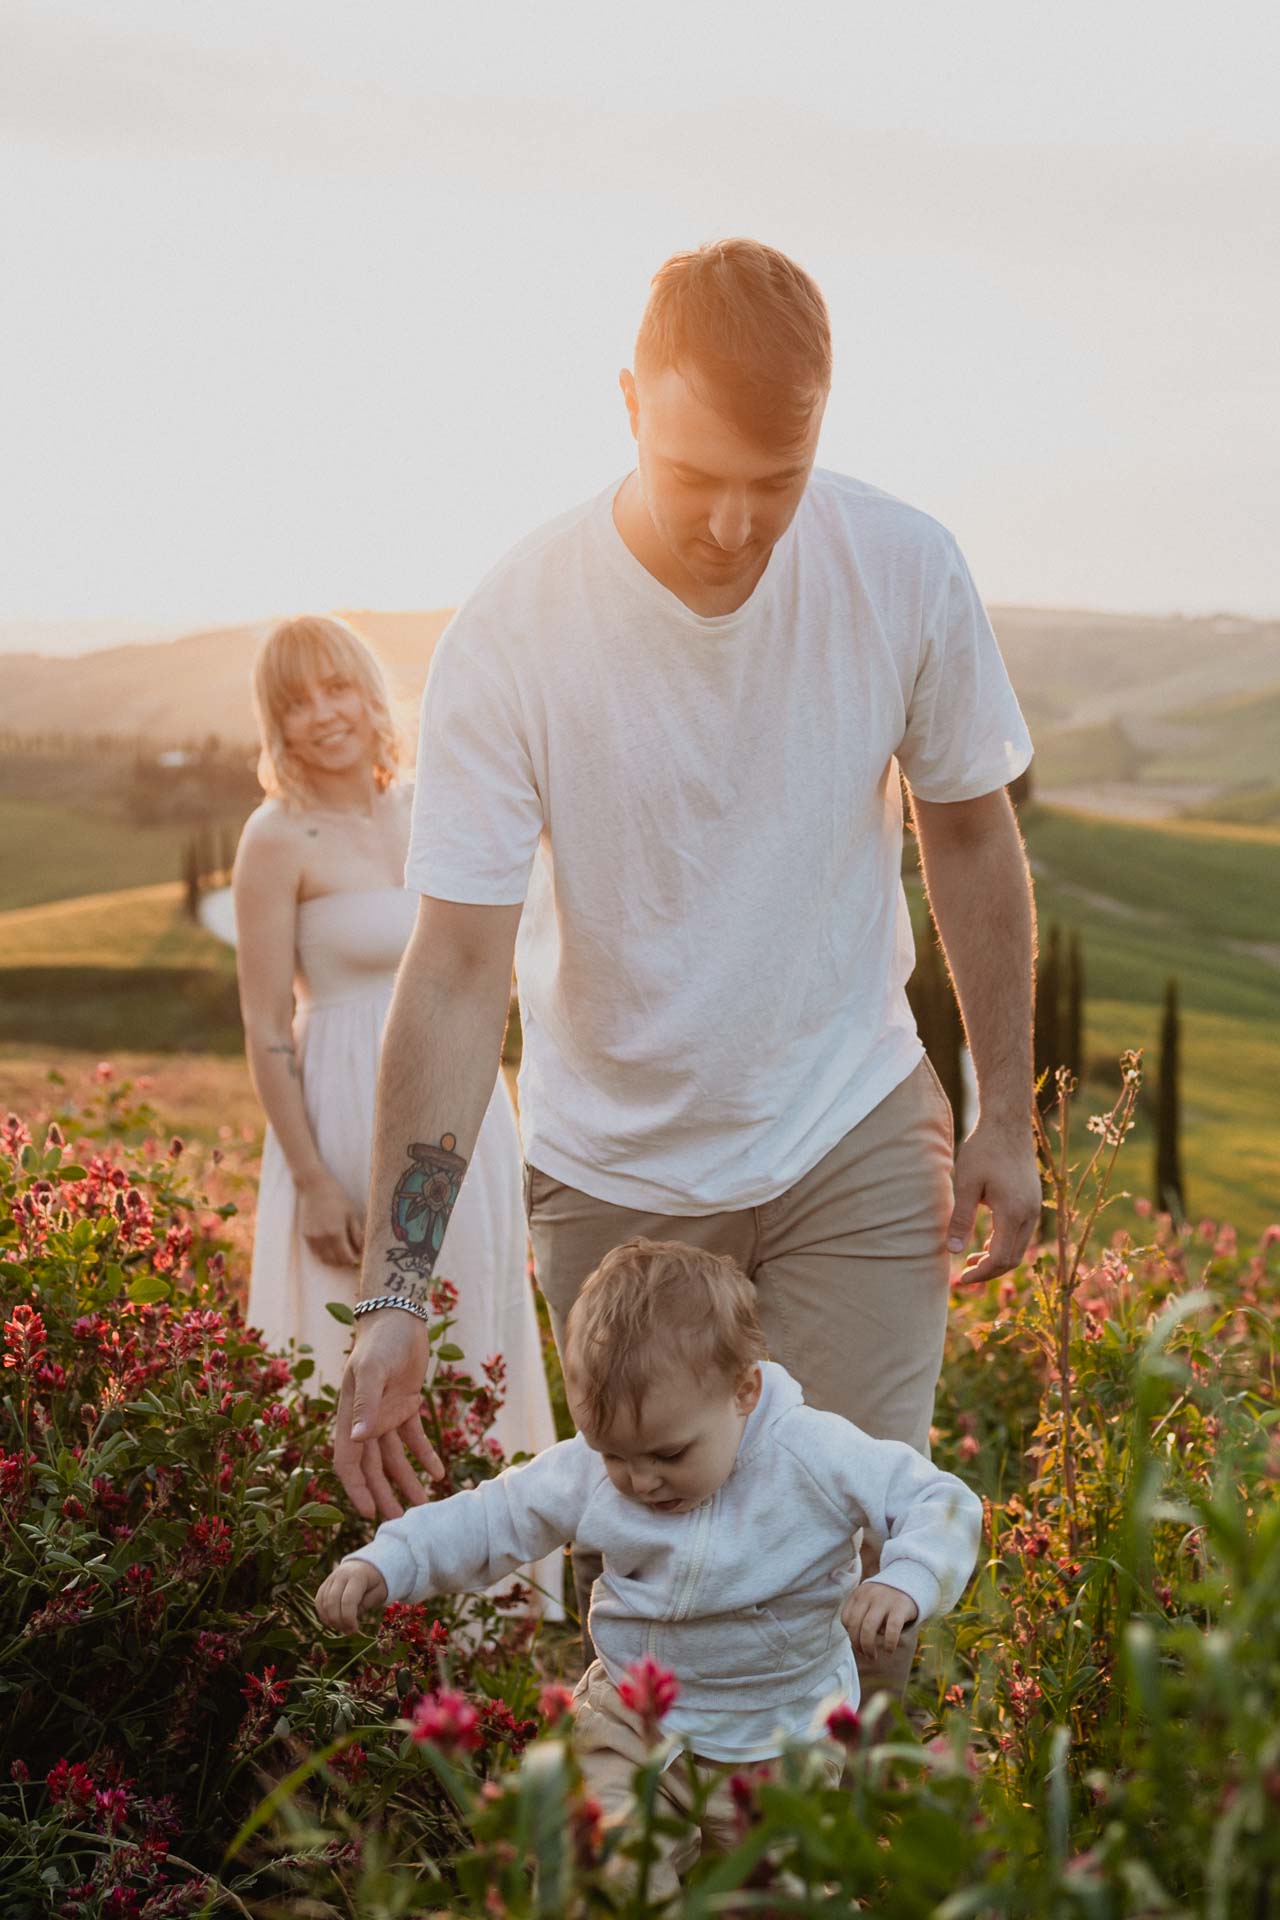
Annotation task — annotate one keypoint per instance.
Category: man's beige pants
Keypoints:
(610, 1744)
(851, 1273)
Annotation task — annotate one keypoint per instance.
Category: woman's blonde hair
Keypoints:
(291, 659)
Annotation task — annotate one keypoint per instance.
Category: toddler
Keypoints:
(725, 1511)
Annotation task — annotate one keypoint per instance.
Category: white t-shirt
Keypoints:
(705, 816)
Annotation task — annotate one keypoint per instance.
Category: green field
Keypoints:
(1227, 743)
(1200, 903)
(52, 851)
(117, 970)
(1184, 899)
(126, 972)
(1236, 741)
(94, 820)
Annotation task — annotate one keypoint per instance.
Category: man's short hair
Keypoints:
(748, 329)
(652, 1306)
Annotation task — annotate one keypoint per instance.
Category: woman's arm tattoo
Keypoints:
(420, 1208)
(294, 1068)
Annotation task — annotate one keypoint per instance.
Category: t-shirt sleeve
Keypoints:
(965, 734)
(477, 812)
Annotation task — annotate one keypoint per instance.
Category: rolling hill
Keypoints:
(183, 689)
(1073, 672)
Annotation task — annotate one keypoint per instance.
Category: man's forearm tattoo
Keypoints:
(420, 1208)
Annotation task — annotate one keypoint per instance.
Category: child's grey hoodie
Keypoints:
(740, 1596)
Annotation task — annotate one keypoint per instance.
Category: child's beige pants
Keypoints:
(851, 1273)
(610, 1745)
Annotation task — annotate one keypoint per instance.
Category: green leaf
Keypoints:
(340, 1311)
(449, 1352)
(10, 1270)
(149, 1287)
(72, 1173)
(319, 1514)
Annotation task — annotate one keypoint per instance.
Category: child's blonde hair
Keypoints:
(652, 1304)
(292, 658)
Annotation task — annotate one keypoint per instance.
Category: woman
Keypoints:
(322, 919)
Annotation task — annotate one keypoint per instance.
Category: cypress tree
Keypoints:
(1169, 1194)
(938, 1022)
(1048, 1045)
(1074, 1048)
(191, 877)
(922, 995)
(206, 850)
(950, 1049)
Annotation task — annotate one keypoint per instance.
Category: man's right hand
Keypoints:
(380, 1415)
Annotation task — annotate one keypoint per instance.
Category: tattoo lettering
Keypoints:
(420, 1207)
(294, 1068)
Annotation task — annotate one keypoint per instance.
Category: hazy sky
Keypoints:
(312, 305)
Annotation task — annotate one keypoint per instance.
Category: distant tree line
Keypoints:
(150, 781)
(195, 782)
(53, 745)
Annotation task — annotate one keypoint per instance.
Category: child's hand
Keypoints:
(874, 1610)
(354, 1587)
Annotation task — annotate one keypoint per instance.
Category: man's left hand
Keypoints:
(995, 1168)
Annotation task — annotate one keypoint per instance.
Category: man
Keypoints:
(673, 720)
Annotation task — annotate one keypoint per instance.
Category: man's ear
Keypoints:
(750, 1387)
(627, 381)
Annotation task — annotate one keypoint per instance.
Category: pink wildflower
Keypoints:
(844, 1724)
(554, 1704)
(650, 1691)
(448, 1720)
(586, 1825)
(24, 1336)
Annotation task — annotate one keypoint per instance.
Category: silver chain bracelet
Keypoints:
(395, 1300)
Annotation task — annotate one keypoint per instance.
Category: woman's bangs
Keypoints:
(301, 655)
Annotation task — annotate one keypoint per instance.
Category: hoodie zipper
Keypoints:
(687, 1589)
(697, 1556)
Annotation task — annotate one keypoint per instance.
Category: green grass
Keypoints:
(1085, 756)
(1219, 880)
(53, 851)
(1254, 806)
(1236, 741)
(117, 970)
(1183, 892)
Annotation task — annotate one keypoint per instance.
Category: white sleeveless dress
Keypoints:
(348, 948)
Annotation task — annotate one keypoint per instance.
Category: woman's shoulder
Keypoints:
(272, 836)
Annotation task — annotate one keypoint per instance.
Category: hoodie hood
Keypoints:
(779, 1395)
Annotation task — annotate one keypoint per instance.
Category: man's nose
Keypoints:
(730, 521)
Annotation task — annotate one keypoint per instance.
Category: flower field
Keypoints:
(1094, 1731)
